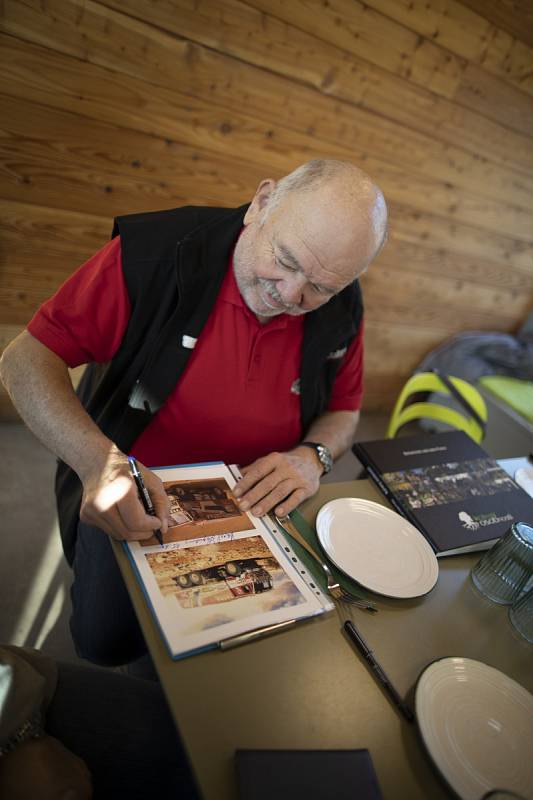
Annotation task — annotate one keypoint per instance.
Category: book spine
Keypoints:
(395, 503)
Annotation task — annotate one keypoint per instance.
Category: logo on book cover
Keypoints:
(467, 521)
(481, 520)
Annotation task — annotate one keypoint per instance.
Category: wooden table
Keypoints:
(307, 688)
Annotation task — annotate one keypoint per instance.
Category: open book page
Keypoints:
(220, 572)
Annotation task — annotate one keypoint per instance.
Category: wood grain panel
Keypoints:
(511, 59)
(41, 247)
(466, 34)
(115, 192)
(359, 30)
(121, 171)
(496, 99)
(107, 167)
(35, 73)
(430, 314)
(389, 281)
(381, 391)
(260, 40)
(398, 349)
(41, 76)
(418, 226)
(513, 16)
(65, 232)
(427, 260)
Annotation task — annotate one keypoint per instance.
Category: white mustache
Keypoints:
(270, 288)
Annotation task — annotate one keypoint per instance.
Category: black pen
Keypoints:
(367, 654)
(143, 495)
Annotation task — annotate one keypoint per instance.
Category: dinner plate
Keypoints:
(377, 547)
(477, 725)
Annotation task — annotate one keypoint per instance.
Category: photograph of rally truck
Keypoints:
(241, 569)
(242, 578)
(249, 569)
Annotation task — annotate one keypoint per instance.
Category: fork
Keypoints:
(334, 588)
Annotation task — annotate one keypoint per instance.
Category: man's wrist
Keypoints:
(322, 453)
(101, 455)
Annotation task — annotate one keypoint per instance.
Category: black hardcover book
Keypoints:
(448, 487)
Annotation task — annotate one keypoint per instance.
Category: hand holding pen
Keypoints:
(144, 497)
(110, 499)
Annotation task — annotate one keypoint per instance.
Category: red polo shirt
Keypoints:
(237, 399)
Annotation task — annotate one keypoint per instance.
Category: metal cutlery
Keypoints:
(334, 588)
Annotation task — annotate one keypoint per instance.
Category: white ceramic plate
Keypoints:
(377, 547)
(477, 725)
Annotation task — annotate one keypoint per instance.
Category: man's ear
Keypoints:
(260, 200)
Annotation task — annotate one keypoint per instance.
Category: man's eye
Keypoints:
(281, 263)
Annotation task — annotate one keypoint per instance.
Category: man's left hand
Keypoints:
(279, 481)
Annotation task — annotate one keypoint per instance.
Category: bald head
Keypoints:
(336, 192)
(308, 236)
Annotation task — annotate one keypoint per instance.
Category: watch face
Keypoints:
(325, 457)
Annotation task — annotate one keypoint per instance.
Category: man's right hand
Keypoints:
(111, 501)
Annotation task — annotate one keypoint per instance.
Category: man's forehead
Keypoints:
(336, 224)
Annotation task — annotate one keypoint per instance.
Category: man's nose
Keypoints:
(292, 288)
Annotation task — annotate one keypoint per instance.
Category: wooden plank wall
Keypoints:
(126, 105)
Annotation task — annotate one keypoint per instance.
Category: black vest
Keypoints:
(174, 263)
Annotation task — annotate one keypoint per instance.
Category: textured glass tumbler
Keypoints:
(505, 569)
(521, 615)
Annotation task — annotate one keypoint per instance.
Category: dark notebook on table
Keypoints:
(448, 487)
(306, 774)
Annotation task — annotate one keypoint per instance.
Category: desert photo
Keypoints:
(242, 572)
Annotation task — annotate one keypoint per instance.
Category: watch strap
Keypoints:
(32, 728)
(323, 454)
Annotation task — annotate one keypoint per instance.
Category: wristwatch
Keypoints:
(32, 728)
(323, 453)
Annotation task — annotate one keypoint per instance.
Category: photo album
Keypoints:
(220, 572)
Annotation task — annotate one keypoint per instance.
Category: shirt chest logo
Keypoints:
(295, 388)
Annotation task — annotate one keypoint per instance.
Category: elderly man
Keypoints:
(211, 334)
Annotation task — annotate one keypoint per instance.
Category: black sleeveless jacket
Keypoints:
(174, 263)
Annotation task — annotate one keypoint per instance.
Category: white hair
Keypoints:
(306, 177)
